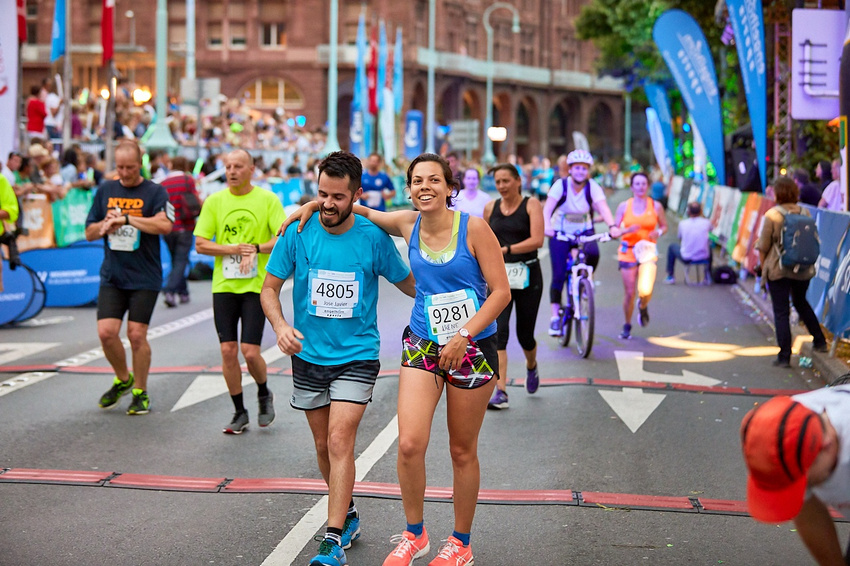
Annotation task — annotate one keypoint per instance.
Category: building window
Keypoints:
(273, 35)
(421, 23)
(238, 35)
(273, 23)
(503, 42)
(177, 35)
(526, 47)
(472, 38)
(569, 52)
(214, 35)
(350, 18)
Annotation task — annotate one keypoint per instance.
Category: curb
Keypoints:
(827, 368)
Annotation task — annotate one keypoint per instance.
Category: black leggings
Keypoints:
(559, 251)
(527, 304)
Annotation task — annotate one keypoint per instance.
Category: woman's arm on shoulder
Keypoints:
(396, 223)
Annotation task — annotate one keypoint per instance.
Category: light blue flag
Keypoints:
(57, 38)
(383, 54)
(360, 95)
(657, 96)
(685, 50)
(398, 72)
(748, 24)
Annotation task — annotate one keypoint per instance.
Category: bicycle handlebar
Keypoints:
(581, 238)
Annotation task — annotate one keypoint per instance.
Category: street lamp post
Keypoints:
(429, 112)
(332, 142)
(131, 16)
(489, 158)
(161, 137)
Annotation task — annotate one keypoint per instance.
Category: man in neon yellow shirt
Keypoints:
(243, 220)
(8, 212)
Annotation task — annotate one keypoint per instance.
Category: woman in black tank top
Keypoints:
(518, 224)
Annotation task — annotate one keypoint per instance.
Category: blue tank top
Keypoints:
(459, 273)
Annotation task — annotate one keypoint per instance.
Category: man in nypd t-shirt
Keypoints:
(129, 214)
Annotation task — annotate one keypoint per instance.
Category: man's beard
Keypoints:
(342, 216)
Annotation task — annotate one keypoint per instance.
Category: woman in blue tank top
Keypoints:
(456, 259)
(451, 339)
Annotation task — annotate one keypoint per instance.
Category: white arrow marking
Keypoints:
(630, 366)
(205, 387)
(12, 351)
(632, 405)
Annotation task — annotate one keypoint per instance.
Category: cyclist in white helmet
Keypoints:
(569, 208)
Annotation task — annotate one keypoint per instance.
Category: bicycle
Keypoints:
(580, 288)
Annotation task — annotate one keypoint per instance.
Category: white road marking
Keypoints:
(302, 533)
(11, 351)
(633, 406)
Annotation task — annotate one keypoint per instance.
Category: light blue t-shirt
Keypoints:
(335, 287)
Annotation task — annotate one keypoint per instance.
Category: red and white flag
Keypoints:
(22, 21)
(106, 30)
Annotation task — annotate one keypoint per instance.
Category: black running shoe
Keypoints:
(119, 389)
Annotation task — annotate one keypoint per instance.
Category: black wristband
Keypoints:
(126, 219)
(509, 249)
(257, 247)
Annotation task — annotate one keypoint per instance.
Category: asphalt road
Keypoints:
(583, 472)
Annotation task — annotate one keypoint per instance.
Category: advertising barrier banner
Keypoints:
(37, 217)
(833, 230)
(657, 96)
(69, 216)
(71, 275)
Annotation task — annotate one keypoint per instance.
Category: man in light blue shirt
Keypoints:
(335, 262)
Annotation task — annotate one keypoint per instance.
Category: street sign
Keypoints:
(465, 134)
(202, 92)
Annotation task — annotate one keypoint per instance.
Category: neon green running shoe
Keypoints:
(141, 403)
(119, 389)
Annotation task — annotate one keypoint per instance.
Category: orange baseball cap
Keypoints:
(780, 439)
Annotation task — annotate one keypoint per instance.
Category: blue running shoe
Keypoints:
(329, 554)
(555, 326)
(350, 531)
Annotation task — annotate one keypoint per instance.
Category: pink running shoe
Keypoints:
(409, 548)
(453, 553)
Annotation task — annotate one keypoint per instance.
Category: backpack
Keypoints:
(799, 243)
(563, 199)
(190, 205)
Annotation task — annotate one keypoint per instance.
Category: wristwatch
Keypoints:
(465, 333)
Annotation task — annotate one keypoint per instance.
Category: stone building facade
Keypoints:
(275, 54)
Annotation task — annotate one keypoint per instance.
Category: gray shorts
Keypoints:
(316, 386)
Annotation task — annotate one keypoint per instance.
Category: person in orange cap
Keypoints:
(799, 463)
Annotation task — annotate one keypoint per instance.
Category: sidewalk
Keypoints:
(827, 368)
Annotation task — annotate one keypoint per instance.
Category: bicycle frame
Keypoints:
(576, 264)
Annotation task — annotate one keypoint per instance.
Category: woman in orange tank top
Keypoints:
(642, 221)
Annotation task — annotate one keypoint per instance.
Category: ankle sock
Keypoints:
(352, 510)
(416, 528)
(462, 537)
(237, 403)
(263, 389)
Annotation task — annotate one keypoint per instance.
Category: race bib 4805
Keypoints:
(335, 294)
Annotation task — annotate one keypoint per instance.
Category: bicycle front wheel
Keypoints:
(585, 315)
